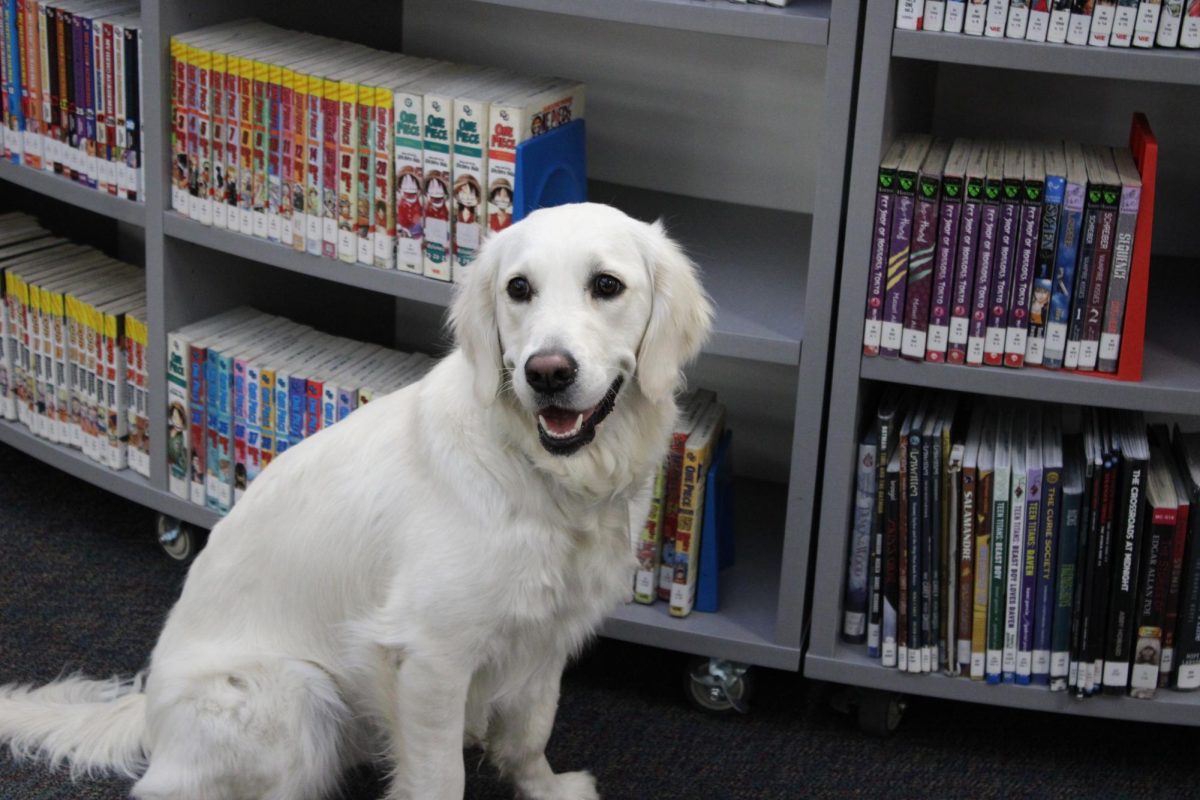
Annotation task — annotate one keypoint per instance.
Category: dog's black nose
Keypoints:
(550, 371)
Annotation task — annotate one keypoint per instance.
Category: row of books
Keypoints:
(1099, 23)
(70, 90)
(668, 546)
(243, 386)
(348, 152)
(73, 341)
(990, 253)
(1027, 543)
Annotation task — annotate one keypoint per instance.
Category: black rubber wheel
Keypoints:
(707, 691)
(879, 713)
(179, 540)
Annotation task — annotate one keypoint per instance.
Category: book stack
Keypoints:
(243, 386)
(1004, 253)
(70, 91)
(351, 153)
(73, 344)
(1098, 23)
(668, 547)
(1027, 543)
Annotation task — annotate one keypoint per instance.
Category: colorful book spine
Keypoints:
(889, 650)
(965, 255)
(409, 174)
(900, 249)
(1025, 262)
(1034, 530)
(1067, 577)
(1043, 280)
(288, 112)
(996, 605)
(989, 236)
(1066, 260)
(1014, 553)
(921, 259)
(880, 271)
(697, 457)
(1047, 555)
(1096, 294)
(855, 600)
(383, 180)
(1006, 250)
(949, 222)
(1122, 262)
(364, 111)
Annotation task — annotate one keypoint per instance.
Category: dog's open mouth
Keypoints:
(563, 431)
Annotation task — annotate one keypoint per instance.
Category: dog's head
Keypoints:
(576, 309)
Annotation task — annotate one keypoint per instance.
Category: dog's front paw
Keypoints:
(563, 786)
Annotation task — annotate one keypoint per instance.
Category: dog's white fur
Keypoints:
(418, 575)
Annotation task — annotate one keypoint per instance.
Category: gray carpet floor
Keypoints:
(83, 586)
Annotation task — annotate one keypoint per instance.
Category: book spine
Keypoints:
(975, 19)
(1033, 531)
(1018, 19)
(31, 70)
(1118, 286)
(1014, 574)
(903, 547)
(920, 269)
(1170, 22)
(1039, 22)
(1002, 275)
(314, 165)
(1043, 600)
(888, 650)
(383, 181)
(1146, 25)
(1151, 602)
(930, 533)
(884, 436)
(955, 15)
(1043, 282)
(331, 198)
(690, 524)
(364, 110)
(260, 147)
(436, 154)
(228, 190)
(409, 174)
(671, 515)
(347, 172)
(1097, 291)
(885, 199)
(1025, 266)
(1174, 583)
(204, 110)
(1103, 16)
(989, 228)
(855, 600)
(645, 579)
(274, 151)
(1121, 606)
(1083, 277)
(133, 114)
(1065, 261)
(1189, 33)
(966, 569)
(246, 138)
(964, 272)
(286, 159)
(914, 540)
(1187, 636)
(1066, 578)
(469, 174)
(1080, 22)
(296, 195)
(198, 423)
(997, 18)
(899, 248)
(910, 14)
(935, 15)
(997, 580)
(944, 268)
(1124, 21)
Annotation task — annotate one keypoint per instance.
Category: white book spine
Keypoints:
(1039, 24)
(1170, 21)
(436, 157)
(909, 13)
(1078, 27)
(955, 15)
(1102, 24)
(409, 172)
(997, 18)
(975, 19)
(935, 15)
(1189, 36)
(1145, 27)
(1018, 20)
(1123, 24)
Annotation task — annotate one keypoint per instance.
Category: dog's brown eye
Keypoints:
(605, 285)
(519, 289)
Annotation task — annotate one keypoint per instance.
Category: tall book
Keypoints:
(1034, 519)
(886, 430)
(949, 214)
(1176, 560)
(989, 236)
(1066, 256)
(909, 617)
(889, 647)
(1000, 522)
(900, 245)
(691, 409)
(1128, 522)
(1066, 576)
(1046, 551)
(856, 597)
(697, 457)
(967, 516)
(885, 201)
(1025, 264)
(1015, 547)
(1101, 267)
(1122, 260)
(965, 253)
(1154, 576)
(1186, 448)
(951, 558)
(1043, 279)
(924, 246)
(1089, 235)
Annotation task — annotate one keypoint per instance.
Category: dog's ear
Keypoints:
(680, 318)
(473, 320)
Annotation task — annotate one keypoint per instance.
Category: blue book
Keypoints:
(1047, 546)
(1047, 249)
(1066, 257)
(716, 539)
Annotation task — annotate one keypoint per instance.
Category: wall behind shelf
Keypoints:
(709, 116)
(1045, 105)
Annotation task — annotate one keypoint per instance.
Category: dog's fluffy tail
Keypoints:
(92, 726)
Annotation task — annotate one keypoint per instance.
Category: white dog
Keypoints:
(418, 575)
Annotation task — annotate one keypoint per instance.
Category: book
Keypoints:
(997, 18)
(975, 19)
(1026, 258)
(965, 254)
(1145, 26)
(1015, 546)
(900, 246)
(935, 15)
(855, 601)
(1039, 20)
(649, 544)
(1080, 23)
(1007, 242)
(889, 648)
(1046, 548)
(1032, 531)
(1018, 19)
(887, 421)
(924, 246)
(1189, 32)
(880, 268)
(1109, 192)
(1124, 21)
(1170, 23)
(1043, 279)
(910, 14)
(1173, 562)
(697, 457)
(966, 532)
(1154, 575)
(1066, 257)
(1103, 17)
(949, 213)
(691, 409)
(989, 233)
(1186, 450)
(956, 12)
(997, 550)
(1128, 523)
(1067, 577)
(1122, 261)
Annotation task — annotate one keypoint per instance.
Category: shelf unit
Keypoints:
(911, 81)
(772, 275)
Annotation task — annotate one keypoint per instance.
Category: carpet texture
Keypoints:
(84, 587)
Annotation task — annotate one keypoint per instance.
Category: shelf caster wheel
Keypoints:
(179, 540)
(719, 686)
(879, 713)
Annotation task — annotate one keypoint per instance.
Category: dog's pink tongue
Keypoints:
(559, 420)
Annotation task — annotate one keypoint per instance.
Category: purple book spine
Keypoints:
(1089, 345)
(897, 272)
(988, 229)
(873, 328)
(1029, 573)
(1001, 291)
(943, 271)
(920, 272)
(964, 274)
(1018, 316)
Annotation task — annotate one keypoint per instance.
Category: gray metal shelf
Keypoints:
(68, 191)
(126, 483)
(899, 91)
(1134, 64)
(805, 22)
